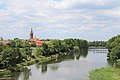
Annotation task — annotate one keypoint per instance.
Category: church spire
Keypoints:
(31, 34)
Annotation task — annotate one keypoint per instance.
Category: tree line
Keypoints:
(14, 52)
(97, 43)
(18, 50)
(21, 43)
(61, 46)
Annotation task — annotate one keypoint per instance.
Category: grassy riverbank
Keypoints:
(105, 74)
(21, 66)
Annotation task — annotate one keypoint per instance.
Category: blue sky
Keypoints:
(84, 19)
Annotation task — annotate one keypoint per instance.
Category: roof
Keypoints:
(37, 41)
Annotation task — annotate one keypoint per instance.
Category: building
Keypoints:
(36, 40)
(4, 41)
(31, 34)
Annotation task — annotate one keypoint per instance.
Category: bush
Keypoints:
(5, 72)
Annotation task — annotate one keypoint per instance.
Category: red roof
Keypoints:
(37, 41)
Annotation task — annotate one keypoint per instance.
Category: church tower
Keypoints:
(31, 34)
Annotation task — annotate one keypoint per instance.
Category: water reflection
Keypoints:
(54, 68)
(102, 51)
(77, 62)
(15, 76)
(112, 63)
(24, 75)
(44, 68)
(72, 55)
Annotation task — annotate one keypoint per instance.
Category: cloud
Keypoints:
(68, 17)
(112, 12)
(87, 4)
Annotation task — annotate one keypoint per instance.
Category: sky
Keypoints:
(60, 19)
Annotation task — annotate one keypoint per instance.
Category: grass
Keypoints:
(5, 72)
(43, 59)
(105, 74)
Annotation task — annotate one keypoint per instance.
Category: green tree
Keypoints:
(26, 53)
(18, 43)
(8, 57)
(12, 43)
(61, 46)
(113, 45)
(2, 46)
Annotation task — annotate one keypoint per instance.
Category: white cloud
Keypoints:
(112, 12)
(62, 16)
(71, 3)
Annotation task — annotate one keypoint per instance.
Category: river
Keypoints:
(74, 67)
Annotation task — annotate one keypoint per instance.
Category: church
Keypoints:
(36, 40)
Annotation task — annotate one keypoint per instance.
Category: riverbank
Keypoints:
(96, 47)
(105, 74)
(36, 60)
(114, 56)
(6, 73)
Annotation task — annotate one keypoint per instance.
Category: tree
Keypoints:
(12, 43)
(26, 44)
(18, 43)
(44, 49)
(113, 46)
(8, 57)
(26, 53)
(2, 46)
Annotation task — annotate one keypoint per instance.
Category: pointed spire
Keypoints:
(31, 30)
(31, 34)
